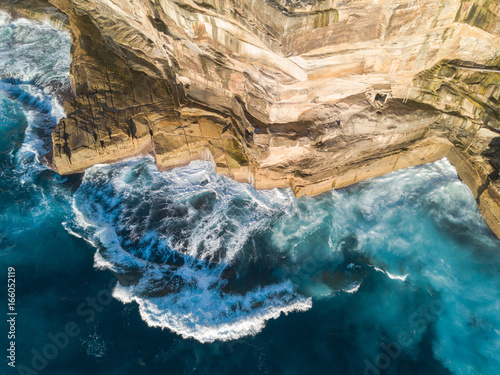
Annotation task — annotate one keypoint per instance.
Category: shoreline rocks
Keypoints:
(310, 95)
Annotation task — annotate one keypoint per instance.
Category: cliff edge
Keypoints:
(306, 94)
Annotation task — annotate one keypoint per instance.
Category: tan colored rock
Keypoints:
(311, 95)
(39, 10)
(489, 206)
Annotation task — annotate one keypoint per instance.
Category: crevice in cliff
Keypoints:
(279, 94)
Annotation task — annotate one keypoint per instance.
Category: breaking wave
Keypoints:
(34, 68)
(176, 240)
(212, 259)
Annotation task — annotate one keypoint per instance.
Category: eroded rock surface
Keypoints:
(311, 95)
(39, 10)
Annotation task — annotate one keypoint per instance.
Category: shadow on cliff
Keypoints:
(493, 155)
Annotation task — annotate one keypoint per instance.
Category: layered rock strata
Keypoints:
(39, 10)
(311, 95)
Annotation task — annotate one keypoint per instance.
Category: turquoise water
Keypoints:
(187, 272)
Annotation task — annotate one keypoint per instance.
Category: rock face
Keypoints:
(306, 94)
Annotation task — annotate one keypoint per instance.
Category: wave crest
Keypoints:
(172, 239)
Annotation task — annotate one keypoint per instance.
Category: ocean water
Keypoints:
(128, 270)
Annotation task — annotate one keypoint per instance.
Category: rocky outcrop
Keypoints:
(311, 95)
(39, 10)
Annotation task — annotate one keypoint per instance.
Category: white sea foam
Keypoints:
(396, 277)
(34, 53)
(390, 275)
(34, 63)
(5, 18)
(353, 287)
(421, 222)
(95, 345)
(210, 315)
(135, 214)
(140, 219)
(226, 226)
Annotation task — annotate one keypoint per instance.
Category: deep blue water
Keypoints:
(187, 272)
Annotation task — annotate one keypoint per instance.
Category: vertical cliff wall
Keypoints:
(311, 95)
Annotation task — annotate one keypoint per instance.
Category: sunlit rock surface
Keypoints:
(311, 95)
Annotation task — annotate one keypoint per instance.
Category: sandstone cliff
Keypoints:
(306, 94)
